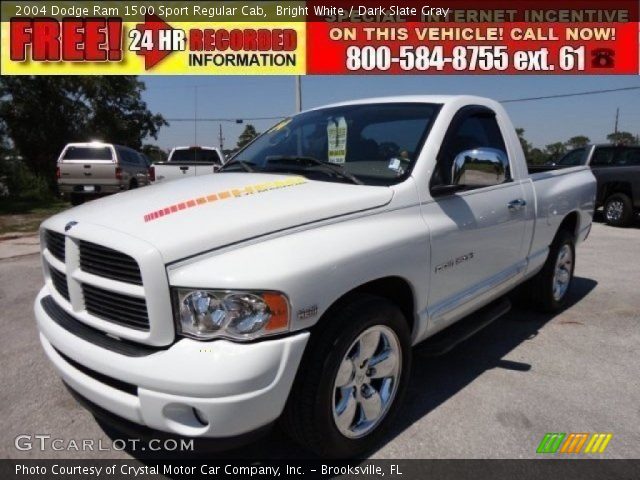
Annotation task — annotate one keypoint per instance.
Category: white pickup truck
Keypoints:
(184, 162)
(293, 284)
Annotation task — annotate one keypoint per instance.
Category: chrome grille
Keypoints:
(59, 281)
(55, 244)
(116, 307)
(109, 263)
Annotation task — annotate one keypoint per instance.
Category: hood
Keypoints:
(186, 217)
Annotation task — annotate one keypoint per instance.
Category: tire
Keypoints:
(548, 292)
(133, 185)
(318, 402)
(76, 199)
(618, 210)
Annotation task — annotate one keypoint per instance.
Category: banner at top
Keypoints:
(320, 37)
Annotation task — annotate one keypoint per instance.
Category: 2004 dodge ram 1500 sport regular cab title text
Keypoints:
(293, 284)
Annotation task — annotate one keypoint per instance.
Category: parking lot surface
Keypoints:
(494, 396)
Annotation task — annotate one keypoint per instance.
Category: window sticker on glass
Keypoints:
(281, 125)
(337, 139)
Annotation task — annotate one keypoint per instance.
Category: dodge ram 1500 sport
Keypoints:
(293, 284)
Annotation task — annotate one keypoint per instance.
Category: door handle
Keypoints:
(517, 204)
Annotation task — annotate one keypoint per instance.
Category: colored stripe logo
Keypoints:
(224, 195)
(574, 443)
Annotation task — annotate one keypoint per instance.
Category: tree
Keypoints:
(578, 141)
(537, 157)
(155, 153)
(526, 146)
(43, 113)
(247, 135)
(621, 138)
(555, 150)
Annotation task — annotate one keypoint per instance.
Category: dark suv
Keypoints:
(617, 169)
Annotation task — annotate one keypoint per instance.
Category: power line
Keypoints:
(565, 95)
(232, 120)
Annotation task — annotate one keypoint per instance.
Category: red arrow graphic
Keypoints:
(153, 56)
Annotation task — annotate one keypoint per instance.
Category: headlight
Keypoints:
(207, 314)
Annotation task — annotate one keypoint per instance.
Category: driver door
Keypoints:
(477, 234)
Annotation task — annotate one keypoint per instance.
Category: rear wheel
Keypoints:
(618, 210)
(549, 287)
(352, 379)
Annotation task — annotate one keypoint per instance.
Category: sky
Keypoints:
(544, 121)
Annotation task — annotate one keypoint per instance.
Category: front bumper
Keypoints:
(199, 389)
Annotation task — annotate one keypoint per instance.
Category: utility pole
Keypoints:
(617, 116)
(298, 93)
(195, 115)
(221, 138)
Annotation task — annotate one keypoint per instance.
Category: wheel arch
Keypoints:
(395, 289)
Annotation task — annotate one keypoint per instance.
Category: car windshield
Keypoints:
(574, 158)
(201, 155)
(374, 144)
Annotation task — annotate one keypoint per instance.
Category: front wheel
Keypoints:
(618, 210)
(352, 379)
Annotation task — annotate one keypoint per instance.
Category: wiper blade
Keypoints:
(246, 166)
(300, 160)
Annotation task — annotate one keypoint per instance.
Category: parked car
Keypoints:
(291, 287)
(617, 170)
(186, 162)
(94, 169)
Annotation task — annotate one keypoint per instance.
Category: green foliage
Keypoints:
(526, 146)
(555, 150)
(155, 153)
(42, 114)
(18, 182)
(622, 138)
(578, 141)
(248, 134)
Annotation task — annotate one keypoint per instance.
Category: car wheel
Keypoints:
(352, 379)
(550, 286)
(76, 199)
(618, 210)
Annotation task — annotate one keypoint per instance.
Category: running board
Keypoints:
(444, 341)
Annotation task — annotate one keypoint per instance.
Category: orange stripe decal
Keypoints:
(239, 192)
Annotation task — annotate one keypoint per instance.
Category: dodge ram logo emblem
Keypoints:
(69, 226)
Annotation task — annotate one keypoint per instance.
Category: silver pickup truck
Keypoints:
(293, 283)
(88, 170)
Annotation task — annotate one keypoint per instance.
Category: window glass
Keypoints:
(195, 154)
(480, 130)
(603, 156)
(377, 143)
(628, 156)
(87, 153)
(574, 157)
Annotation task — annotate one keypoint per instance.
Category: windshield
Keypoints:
(574, 157)
(200, 155)
(375, 143)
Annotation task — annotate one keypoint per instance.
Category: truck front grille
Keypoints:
(105, 262)
(59, 281)
(55, 244)
(116, 307)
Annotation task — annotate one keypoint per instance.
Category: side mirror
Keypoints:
(480, 167)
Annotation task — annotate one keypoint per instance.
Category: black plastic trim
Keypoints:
(125, 387)
(92, 335)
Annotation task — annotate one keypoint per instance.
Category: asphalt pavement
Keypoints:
(494, 396)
